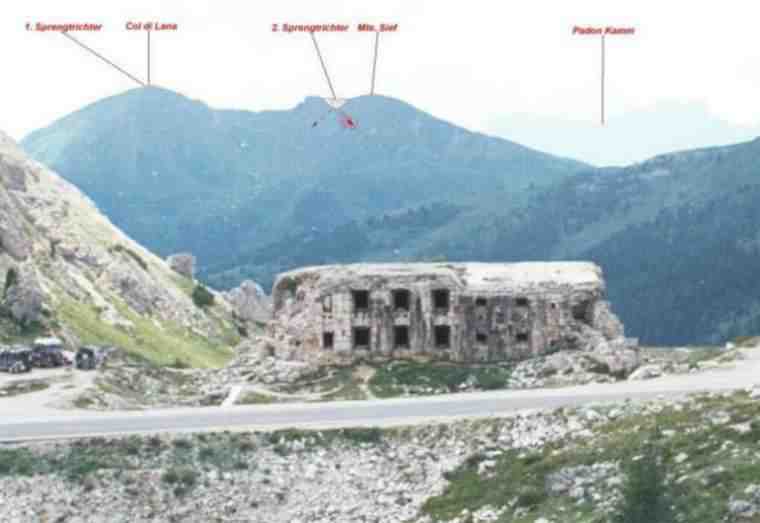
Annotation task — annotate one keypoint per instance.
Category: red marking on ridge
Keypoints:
(347, 122)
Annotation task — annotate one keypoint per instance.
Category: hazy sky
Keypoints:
(467, 62)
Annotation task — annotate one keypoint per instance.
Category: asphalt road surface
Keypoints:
(15, 426)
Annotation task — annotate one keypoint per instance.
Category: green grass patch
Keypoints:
(311, 439)
(75, 462)
(18, 462)
(256, 398)
(369, 435)
(393, 378)
(84, 402)
(183, 479)
(517, 479)
(22, 387)
(322, 379)
(185, 284)
(160, 346)
(700, 354)
(342, 381)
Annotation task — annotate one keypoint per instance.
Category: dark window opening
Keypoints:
(361, 337)
(401, 299)
(522, 336)
(580, 311)
(328, 340)
(401, 336)
(500, 316)
(481, 302)
(442, 336)
(361, 300)
(481, 337)
(521, 302)
(441, 299)
(554, 305)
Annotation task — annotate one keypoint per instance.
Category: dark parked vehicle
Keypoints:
(85, 358)
(16, 360)
(48, 353)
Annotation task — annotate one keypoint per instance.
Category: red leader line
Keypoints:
(603, 73)
(374, 62)
(106, 60)
(321, 61)
(148, 57)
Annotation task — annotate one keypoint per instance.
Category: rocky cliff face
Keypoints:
(64, 267)
(250, 302)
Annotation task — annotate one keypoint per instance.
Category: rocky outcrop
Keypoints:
(67, 255)
(23, 297)
(617, 355)
(605, 320)
(250, 302)
(14, 238)
(182, 263)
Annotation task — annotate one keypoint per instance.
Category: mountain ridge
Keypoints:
(183, 176)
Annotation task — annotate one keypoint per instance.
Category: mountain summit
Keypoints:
(230, 186)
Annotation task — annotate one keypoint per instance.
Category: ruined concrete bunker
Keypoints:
(465, 312)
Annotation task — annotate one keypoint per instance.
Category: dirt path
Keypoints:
(365, 373)
(64, 386)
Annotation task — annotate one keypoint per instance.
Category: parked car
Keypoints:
(48, 353)
(16, 360)
(85, 358)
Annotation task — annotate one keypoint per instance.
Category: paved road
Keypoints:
(65, 424)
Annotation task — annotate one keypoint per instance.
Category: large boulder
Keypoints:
(619, 357)
(647, 372)
(182, 263)
(24, 298)
(250, 302)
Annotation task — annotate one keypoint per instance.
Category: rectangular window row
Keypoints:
(402, 299)
(362, 336)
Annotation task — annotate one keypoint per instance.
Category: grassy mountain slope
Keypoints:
(66, 270)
